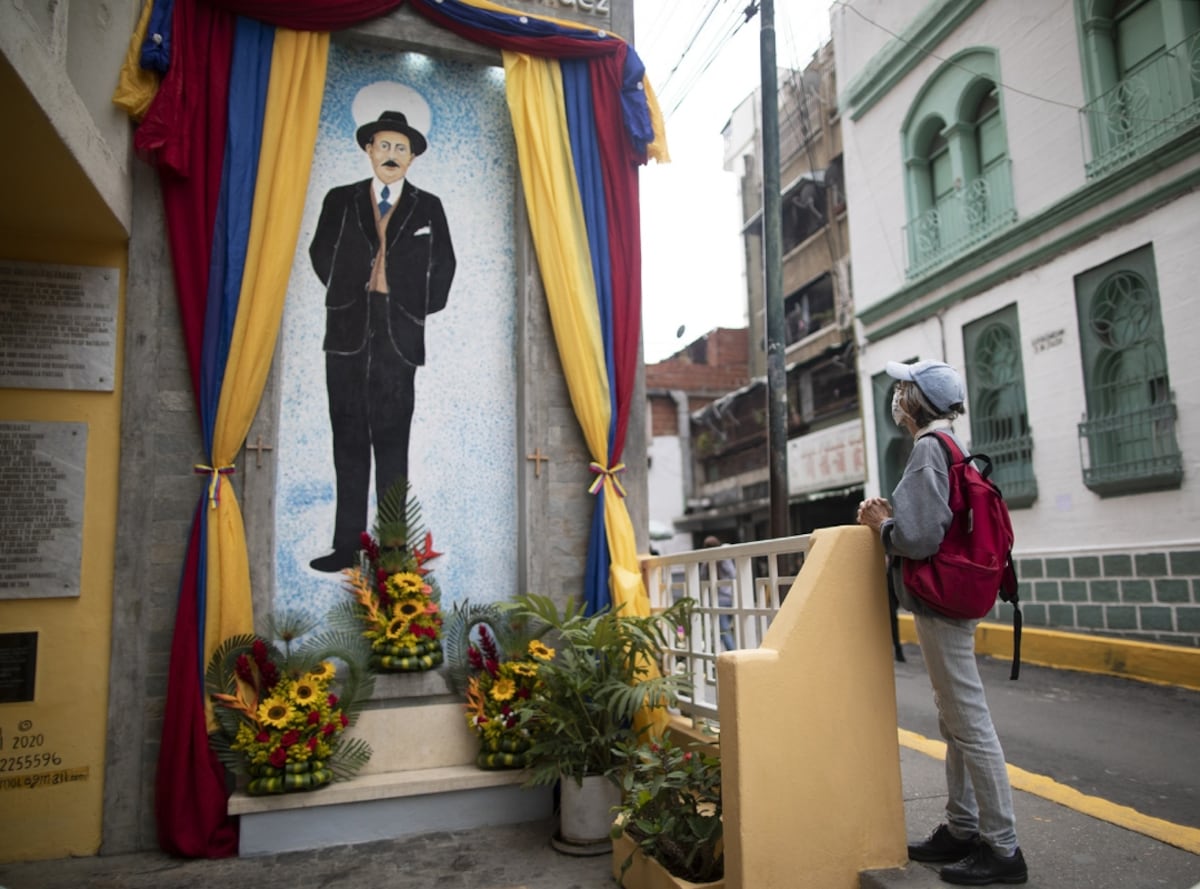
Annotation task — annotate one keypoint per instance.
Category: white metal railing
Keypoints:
(730, 612)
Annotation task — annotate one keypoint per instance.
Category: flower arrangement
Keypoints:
(282, 712)
(395, 601)
(499, 696)
(495, 664)
(672, 807)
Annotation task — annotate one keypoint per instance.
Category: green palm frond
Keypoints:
(220, 675)
(398, 522)
(346, 615)
(351, 755)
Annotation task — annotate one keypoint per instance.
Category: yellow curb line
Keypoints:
(1145, 661)
(1186, 838)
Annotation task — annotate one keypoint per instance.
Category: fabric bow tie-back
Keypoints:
(384, 204)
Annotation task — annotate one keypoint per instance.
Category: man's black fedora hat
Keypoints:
(392, 122)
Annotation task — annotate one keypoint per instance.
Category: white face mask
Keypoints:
(899, 414)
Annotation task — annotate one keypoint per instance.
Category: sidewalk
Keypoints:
(1065, 850)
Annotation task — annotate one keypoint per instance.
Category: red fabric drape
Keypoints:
(619, 162)
(184, 134)
(190, 795)
(309, 15)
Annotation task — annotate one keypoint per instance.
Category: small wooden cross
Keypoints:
(258, 447)
(538, 458)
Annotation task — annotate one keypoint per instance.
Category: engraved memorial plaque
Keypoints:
(58, 326)
(41, 509)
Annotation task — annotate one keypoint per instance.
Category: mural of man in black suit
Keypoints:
(382, 250)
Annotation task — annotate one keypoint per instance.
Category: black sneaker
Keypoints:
(943, 846)
(983, 867)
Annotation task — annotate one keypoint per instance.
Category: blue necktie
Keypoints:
(384, 206)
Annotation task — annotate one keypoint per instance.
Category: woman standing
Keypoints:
(978, 841)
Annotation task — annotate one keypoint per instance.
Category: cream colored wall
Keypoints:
(809, 752)
(58, 817)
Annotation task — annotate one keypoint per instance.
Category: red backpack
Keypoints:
(974, 562)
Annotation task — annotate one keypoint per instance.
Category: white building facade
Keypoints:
(1024, 183)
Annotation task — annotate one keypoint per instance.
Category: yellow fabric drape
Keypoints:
(293, 108)
(136, 87)
(534, 89)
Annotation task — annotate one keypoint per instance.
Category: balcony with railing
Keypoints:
(972, 214)
(1157, 101)
(1131, 451)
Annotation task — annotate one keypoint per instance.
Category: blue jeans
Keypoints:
(979, 797)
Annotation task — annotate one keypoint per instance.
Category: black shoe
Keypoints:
(983, 867)
(943, 846)
(336, 561)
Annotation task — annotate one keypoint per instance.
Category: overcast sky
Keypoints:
(691, 242)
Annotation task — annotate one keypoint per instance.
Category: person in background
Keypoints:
(726, 572)
(978, 841)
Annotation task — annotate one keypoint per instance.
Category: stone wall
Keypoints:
(1152, 595)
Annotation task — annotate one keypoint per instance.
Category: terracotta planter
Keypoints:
(646, 873)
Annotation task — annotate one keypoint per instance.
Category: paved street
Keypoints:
(1128, 742)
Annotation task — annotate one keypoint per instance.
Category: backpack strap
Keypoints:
(1009, 585)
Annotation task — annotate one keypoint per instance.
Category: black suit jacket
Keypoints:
(420, 267)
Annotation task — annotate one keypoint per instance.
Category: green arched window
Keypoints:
(892, 444)
(1141, 62)
(959, 186)
(1128, 438)
(999, 418)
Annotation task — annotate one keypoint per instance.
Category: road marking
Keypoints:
(1186, 838)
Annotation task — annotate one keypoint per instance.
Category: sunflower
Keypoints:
(504, 689)
(322, 672)
(397, 627)
(523, 668)
(405, 583)
(304, 692)
(276, 711)
(539, 650)
(408, 609)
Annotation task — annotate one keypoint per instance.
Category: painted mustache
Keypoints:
(390, 163)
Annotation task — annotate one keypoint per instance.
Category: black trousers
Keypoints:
(371, 396)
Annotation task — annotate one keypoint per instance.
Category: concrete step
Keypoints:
(421, 778)
(913, 876)
(387, 805)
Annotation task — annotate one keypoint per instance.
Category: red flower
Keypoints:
(278, 757)
(474, 658)
(342, 717)
(262, 737)
(332, 700)
(289, 738)
(523, 693)
(313, 717)
(492, 666)
(312, 744)
(328, 729)
(243, 670)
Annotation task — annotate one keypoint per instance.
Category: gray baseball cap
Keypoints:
(939, 383)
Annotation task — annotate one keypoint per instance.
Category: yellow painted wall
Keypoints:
(66, 722)
(809, 754)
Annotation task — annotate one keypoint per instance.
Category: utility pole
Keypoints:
(773, 266)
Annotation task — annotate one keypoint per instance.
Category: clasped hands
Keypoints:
(873, 512)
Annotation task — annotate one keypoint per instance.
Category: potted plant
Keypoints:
(603, 672)
(281, 709)
(668, 831)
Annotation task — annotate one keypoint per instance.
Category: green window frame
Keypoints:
(1141, 67)
(958, 174)
(1127, 439)
(999, 416)
(893, 445)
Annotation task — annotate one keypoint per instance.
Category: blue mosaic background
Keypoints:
(463, 449)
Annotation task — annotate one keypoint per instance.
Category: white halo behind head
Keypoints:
(387, 95)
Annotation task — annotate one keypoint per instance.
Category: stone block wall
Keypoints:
(1149, 595)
